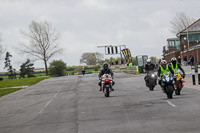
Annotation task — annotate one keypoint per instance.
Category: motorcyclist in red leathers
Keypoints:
(105, 70)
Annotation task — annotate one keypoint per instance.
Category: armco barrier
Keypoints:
(132, 70)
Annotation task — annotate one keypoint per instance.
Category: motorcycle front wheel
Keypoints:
(107, 93)
(169, 91)
(151, 84)
(178, 88)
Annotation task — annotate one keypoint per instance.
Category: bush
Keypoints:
(72, 68)
(57, 67)
(97, 68)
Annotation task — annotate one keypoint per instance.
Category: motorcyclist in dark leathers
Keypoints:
(83, 71)
(149, 67)
(105, 70)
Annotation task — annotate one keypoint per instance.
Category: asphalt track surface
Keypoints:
(73, 104)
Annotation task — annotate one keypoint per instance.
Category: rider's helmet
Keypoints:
(148, 61)
(163, 63)
(105, 66)
(173, 60)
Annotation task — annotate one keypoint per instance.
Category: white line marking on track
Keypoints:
(170, 103)
(41, 110)
(48, 103)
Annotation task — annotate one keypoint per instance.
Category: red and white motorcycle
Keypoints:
(106, 84)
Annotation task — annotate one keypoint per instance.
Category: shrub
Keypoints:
(97, 68)
(57, 67)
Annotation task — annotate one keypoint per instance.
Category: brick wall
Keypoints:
(169, 56)
(195, 53)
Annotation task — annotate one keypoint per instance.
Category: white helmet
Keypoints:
(173, 59)
(148, 61)
(163, 62)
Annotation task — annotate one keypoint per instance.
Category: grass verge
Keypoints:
(7, 91)
(21, 82)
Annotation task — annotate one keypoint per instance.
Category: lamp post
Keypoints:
(187, 39)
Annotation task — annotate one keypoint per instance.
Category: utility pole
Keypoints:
(187, 40)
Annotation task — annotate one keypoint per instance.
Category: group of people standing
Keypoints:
(188, 62)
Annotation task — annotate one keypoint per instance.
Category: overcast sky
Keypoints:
(142, 25)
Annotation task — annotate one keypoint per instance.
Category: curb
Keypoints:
(15, 87)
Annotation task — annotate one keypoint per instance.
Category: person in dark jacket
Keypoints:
(191, 60)
(149, 67)
(176, 66)
(105, 70)
(179, 60)
(185, 60)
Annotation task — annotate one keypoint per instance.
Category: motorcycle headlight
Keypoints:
(153, 75)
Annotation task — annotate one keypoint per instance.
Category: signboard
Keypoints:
(112, 50)
(127, 55)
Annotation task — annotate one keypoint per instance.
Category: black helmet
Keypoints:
(173, 60)
(105, 66)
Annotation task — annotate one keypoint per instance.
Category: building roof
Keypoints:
(191, 28)
(195, 46)
(173, 39)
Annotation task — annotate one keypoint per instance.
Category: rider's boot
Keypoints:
(100, 89)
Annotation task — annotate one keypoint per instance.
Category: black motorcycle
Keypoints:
(151, 80)
(167, 84)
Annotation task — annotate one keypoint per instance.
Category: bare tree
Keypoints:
(43, 42)
(91, 58)
(180, 22)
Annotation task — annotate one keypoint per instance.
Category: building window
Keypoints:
(173, 43)
(198, 37)
(194, 37)
(190, 38)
